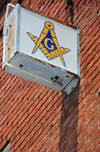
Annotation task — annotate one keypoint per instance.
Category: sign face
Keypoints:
(48, 40)
(48, 44)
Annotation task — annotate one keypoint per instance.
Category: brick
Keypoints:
(56, 148)
(93, 145)
(90, 70)
(53, 144)
(88, 111)
(90, 117)
(3, 143)
(74, 135)
(95, 119)
(94, 74)
(98, 149)
(92, 34)
(76, 3)
(81, 119)
(83, 148)
(62, 148)
(96, 102)
(55, 8)
(85, 64)
(24, 143)
(87, 98)
(45, 91)
(39, 92)
(90, 23)
(57, 118)
(63, 14)
(17, 119)
(84, 132)
(84, 58)
(80, 144)
(89, 88)
(73, 144)
(84, 12)
(29, 143)
(40, 117)
(61, 4)
(92, 131)
(96, 87)
(19, 142)
(40, 145)
(88, 143)
(57, 132)
(80, 113)
(3, 119)
(90, 101)
(23, 118)
(95, 10)
(46, 145)
(87, 2)
(71, 116)
(96, 43)
(96, 135)
(49, 10)
(17, 105)
(81, 105)
(7, 132)
(4, 130)
(45, 8)
(6, 83)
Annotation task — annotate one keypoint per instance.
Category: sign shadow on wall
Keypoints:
(69, 122)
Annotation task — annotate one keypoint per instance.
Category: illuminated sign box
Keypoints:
(41, 49)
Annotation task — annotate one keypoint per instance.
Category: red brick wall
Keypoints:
(35, 118)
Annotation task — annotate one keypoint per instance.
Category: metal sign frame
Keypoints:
(55, 77)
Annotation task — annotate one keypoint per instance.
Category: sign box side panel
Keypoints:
(9, 37)
(17, 27)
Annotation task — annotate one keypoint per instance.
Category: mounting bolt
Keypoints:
(8, 48)
(72, 88)
(21, 66)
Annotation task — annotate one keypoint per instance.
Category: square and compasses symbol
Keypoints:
(48, 43)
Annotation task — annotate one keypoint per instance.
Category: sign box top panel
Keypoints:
(47, 40)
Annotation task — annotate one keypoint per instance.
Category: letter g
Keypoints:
(51, 46)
